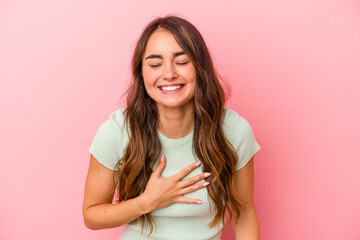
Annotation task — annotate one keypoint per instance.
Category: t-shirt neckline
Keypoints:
(175, 141)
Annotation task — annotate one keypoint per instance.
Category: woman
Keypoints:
(177, 158)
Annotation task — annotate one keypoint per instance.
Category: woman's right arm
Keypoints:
(100, 213)
(98, 210)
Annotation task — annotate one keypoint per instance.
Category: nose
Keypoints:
(169, 72)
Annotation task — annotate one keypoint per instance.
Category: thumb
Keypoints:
(160, 167)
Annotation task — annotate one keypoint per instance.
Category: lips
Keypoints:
(172, 87)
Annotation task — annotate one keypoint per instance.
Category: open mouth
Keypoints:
(171, 88)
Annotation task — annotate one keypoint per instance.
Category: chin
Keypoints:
(174, 104)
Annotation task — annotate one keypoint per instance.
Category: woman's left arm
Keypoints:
(247, 226)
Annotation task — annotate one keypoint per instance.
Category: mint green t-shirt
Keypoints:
(177, 221)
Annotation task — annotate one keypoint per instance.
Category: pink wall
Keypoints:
(294, 67)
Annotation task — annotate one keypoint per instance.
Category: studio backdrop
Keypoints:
(293, 68)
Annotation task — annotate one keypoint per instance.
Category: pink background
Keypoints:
(294, 68)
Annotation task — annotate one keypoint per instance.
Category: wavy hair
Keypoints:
(209, 142)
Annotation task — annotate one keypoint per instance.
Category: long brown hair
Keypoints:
(210, 144)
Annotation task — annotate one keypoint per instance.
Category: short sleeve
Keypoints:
(106, 144)
(241, 137)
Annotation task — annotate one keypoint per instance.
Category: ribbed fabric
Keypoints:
(179, 220)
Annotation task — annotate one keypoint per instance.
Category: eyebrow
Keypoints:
(159, 56)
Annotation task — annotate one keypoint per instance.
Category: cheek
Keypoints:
(149, 87)
(190, 74)
(147, 80)
(149, 77)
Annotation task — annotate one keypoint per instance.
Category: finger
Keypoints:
(195, 179)
(160, 167)
(193, 188)
(185, 171)
(183, 199)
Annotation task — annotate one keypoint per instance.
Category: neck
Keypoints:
(176, 122)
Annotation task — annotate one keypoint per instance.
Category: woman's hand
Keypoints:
(161, 192)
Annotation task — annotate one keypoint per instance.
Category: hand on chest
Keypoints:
(177, 158)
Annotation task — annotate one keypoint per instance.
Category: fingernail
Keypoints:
(197, 164)
(199, 201)
(207, 174)
(205, 184)
(162, 158)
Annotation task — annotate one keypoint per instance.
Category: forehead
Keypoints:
(161, 41)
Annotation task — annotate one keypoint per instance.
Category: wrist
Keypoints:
(143, 204)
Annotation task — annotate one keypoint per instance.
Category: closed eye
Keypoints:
(157, 65)
(184, 63)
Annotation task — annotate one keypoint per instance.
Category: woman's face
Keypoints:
(168, 73)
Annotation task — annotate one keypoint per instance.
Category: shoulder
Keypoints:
(114, 124)
(110, 140)
(234, 124)
(117, 117)
(241, 136)
(230, 116)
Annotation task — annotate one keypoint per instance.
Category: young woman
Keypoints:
(176, 157)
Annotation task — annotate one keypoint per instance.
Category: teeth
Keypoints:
(171, 88)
